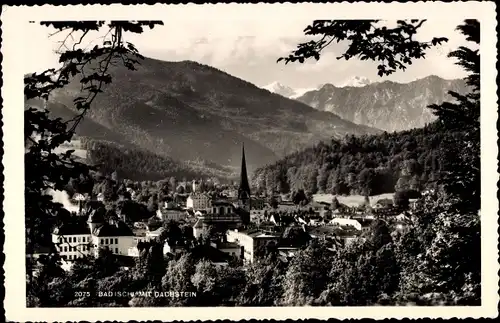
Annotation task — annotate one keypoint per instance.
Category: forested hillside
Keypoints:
(408, 160)
(137, 164)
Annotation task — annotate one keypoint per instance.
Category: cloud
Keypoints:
(248, 47)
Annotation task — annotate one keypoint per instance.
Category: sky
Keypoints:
(249, 47)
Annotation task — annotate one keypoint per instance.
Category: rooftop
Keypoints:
(222, 203)
(225, 245)
(73, 227)
(118, 229)
(256, 233)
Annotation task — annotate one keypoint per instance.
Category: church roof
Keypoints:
(244, 185)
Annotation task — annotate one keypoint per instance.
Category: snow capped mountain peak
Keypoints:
(356, 81)
(278, 88)
(287, 91)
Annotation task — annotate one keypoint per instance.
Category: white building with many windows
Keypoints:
(79, 238)
(72, 240)
(251, 241)
(198, 201)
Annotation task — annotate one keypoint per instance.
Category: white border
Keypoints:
(12, 17)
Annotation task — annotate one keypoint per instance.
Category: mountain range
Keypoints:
(291, 93)
(387, 105)
(193, 112)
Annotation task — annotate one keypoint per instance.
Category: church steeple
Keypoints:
(244, 189)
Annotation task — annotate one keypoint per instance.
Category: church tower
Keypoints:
(244, 189)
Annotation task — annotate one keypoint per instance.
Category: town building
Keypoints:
(220, 207)
(257, 203)
(231, 248)
(72, 239)
(198, 201)
(171, 211)
(78, 238)
(251, 241)
(115, 236)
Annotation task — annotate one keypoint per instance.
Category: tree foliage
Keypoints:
(393, 48)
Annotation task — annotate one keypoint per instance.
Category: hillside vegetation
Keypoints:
(367, 165)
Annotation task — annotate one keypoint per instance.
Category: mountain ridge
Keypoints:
(190, 111)
(386, 105)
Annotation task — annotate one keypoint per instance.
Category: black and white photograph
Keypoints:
(281, 156)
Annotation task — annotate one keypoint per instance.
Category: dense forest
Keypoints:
(368, 165)
(137, 164)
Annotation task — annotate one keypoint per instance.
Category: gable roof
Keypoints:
(73, 227)
(119, 229)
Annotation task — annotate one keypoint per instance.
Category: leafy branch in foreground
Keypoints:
(394, 48)
(46, 168)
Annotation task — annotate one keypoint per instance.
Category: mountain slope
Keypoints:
(189, 111)
(386, 105)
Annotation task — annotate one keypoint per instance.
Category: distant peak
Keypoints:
(356, 81)
(278, 88)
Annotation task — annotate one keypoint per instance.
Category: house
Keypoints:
(198, 201)
(209, 253)
(173, 250)
(257, 216)
(257, 203)
(229, 220)
(287, 206)
(383, 204)
(346, 223)
(73, 239)
(281, 219)
(220, 207)
(230, 248)
(115, 236)
(155, 234)
(140, 234)
(171, 211)
(251, 241)
(364, 221)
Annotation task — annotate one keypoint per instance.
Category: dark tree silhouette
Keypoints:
(393, 48)
(45, 168)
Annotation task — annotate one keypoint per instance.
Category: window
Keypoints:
(106, 241)
(116, 250)
(79, 239)
(116, 240)
(102, 241)
(65, 248)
